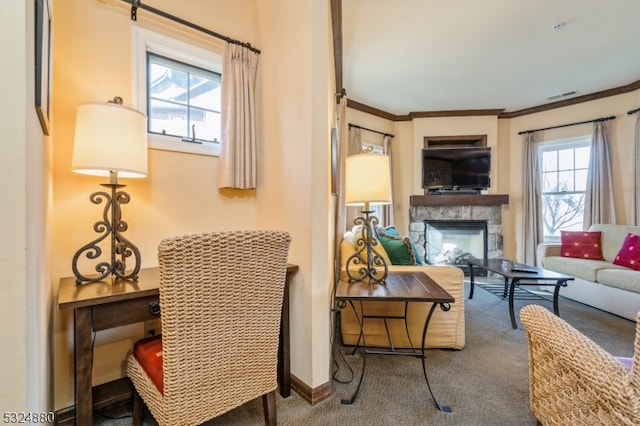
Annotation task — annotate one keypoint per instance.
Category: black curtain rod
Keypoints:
(135, 4)
(633, 111)
(567, 125)
(370, 130)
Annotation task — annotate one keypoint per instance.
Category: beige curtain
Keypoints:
(531, 199)
(387, 210)
(598, 204)
(635, 217)
(237, 165)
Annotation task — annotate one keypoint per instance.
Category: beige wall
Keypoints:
(297, 116)
(13, 212)
(180, 194)
(403, 172)
(25, 306)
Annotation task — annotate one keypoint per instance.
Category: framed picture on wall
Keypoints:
(42, 61)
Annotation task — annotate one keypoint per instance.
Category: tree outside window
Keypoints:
(564, 166)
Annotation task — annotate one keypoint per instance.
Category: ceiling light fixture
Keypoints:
(559, 26)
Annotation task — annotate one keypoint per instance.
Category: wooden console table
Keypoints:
(113, 303)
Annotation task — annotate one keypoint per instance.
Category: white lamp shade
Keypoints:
(367, 179)
(110, 137)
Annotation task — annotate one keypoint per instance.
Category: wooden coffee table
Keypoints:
(519, 275)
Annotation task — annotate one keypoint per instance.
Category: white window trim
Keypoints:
(553, 145)
(576, 141)
(145, 40)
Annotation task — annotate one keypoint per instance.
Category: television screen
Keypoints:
(456, 168)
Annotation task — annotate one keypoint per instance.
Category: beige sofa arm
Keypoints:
(572, 379)
(545, 250)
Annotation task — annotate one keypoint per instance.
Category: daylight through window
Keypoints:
(563, 167)
(182, 100)
(177, 84)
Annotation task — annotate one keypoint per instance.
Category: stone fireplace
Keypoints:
(460, 217)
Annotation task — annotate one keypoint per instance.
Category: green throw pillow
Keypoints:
(390, 232)
(398, 249)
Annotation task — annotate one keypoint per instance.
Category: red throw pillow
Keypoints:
(581, 244)
(148, 352)
(629, 254)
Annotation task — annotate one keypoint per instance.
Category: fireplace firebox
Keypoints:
(451, 242)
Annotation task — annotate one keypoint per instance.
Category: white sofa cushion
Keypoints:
(624, 278)
(581, 268)
(613, 237)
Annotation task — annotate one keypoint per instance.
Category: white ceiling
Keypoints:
(405, 56)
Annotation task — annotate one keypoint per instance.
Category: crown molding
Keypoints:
(573, 101)
(500, 113)
(374, 111)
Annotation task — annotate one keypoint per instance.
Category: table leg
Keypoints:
(284, 345)
(556, 293)
(506, 287)
(406, 326)
(472, 281)
(512, 289)
(444, 307)
(83, 365)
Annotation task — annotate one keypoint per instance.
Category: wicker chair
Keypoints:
(572, 380)
(221, 299)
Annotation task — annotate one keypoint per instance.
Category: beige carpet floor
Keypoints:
(486, 383)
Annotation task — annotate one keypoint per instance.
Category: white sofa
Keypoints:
(446, 329)
(598, 283)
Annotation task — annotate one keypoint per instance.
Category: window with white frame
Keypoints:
(563, 171)
(178, 87)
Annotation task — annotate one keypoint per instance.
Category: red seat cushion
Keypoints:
(581, 244)
(148, 352)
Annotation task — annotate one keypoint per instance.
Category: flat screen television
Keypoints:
(456, 168)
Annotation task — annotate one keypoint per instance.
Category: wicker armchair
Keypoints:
(572, 380)
(221, 299)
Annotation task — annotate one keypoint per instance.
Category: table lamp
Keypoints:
(367, 183)
(110, 140)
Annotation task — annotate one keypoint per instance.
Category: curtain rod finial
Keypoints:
(134, 9)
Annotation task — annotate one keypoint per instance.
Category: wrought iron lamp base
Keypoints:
(111, 226)
(366, 245)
